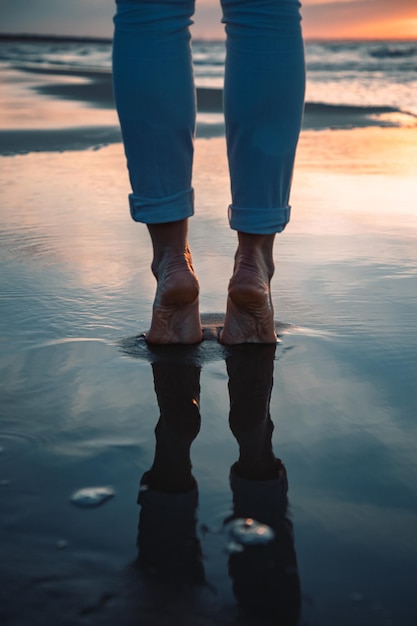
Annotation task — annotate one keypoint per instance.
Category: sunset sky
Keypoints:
(367, 19)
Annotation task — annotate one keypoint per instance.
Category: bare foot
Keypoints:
(250, 314)
(175, 316)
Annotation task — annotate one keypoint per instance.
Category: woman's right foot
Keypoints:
(250, 314)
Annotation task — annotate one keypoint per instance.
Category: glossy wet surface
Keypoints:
(78, 404)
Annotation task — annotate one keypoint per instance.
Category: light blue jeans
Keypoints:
(263, 105)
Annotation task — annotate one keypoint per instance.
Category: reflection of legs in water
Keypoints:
(265, 577)
(177, 387)
(250, 370)
(167, 539)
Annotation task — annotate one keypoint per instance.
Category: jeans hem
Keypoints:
(172, 208)
(259, 221)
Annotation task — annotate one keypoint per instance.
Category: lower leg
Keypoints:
(263, 104)
(250, 314)
(175, 316)
(155, 99)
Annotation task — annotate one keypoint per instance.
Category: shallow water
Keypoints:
(78, 405)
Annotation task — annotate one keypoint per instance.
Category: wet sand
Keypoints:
(75, 111)
(78, 404)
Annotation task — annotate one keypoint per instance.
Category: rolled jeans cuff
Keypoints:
(172, 208)
(258, 221)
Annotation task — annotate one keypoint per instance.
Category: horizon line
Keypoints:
(87, 38)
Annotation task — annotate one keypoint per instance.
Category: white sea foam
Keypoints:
(338, 73)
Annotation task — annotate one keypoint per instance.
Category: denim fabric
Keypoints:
(263, 104)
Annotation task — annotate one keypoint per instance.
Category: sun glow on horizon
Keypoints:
(399, 29)
(353, 19)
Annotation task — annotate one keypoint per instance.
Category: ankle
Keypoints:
(255, 252)
(170, 260)
(169, 242)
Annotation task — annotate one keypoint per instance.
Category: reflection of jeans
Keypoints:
(263, 102)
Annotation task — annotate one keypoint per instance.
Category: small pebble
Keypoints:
(90, 497)
(249, 532)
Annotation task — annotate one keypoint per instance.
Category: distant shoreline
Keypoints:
(53, 38)
(108, 40)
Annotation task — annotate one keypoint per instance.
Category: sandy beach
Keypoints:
(77, 386)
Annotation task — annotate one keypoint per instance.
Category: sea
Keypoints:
(339, 73)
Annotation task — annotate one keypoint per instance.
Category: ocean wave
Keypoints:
(321, 115)
(210, 100)
(368, 74)
(349, 109)
(394, 52)
(339, 71)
